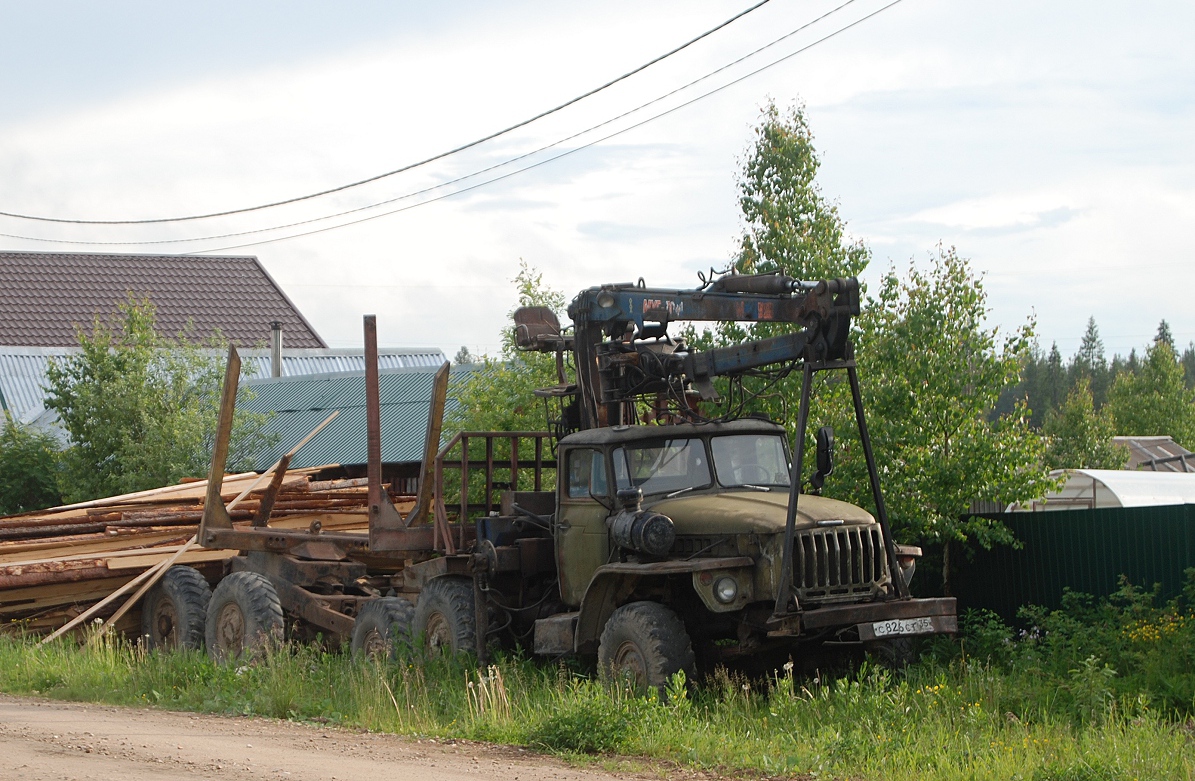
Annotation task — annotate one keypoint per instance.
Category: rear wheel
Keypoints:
(174, 613)
(444, 618)
(382, 626)
(645, 644)
(244, 617)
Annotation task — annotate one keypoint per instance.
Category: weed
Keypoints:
(591, 721)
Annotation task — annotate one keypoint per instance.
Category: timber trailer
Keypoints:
(668, 538)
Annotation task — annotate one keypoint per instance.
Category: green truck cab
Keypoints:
(677, 532)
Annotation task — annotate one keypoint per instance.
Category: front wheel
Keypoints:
(645, 644)
(444, 617)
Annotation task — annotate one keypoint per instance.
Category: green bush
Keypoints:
(28, 469)
(591, 722)
(1090, 658)
(141, 408)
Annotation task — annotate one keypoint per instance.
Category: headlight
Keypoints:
(726, 589)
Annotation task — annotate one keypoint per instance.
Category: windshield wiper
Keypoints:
(755, 487)
(684, 490)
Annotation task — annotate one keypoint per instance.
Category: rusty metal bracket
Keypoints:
(431, 447)
(270, 496)
(383, 516)
(215, 516)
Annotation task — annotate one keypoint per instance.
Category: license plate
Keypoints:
(903, 626)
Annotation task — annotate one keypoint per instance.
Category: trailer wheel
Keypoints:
(444, 618)
(382, 626)
(244, 617)
(174, 613)
(645, 643)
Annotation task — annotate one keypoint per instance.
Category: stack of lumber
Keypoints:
(55, 563)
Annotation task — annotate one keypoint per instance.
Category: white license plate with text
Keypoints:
(903, 626)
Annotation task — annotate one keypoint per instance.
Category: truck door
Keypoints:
(582, 541)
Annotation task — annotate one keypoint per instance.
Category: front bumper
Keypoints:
(942, 613)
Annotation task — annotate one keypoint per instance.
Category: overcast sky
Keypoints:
(1051, 143)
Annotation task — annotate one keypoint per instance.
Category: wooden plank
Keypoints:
(170, 493)
(15, 552)
(90, 516)
(145, 560)
(24, 600)
(191, 493)
(16, 570)
(40, 577)
(46, 532)
(97, 555)
(335, 485)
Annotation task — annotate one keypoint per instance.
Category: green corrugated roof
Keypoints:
(299, 404)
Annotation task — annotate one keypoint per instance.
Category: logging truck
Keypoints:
(654, 526)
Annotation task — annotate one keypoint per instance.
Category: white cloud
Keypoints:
(1050, 143)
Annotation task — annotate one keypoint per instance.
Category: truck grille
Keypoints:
(838, 563)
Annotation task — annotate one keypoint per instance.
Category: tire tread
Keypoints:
(260, 605)
(191, 595)
(662, 635)
(395, 614)
(450, 596)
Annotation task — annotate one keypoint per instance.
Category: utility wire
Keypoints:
(466, 177)
(566, 153)
(409, 166)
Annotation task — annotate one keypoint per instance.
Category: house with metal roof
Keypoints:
(23, 370)
(1090, 489)
(47, 296)
(297, 405)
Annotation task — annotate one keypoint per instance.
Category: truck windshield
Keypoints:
(750, 459)
(662, 467)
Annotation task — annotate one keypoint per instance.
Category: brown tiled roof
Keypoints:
(44, 295)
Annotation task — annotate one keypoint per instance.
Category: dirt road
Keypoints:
(53, 740)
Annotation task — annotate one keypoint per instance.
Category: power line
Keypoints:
(409, 166)
(566, 153)
(473, 174)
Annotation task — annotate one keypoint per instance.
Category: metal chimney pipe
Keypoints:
(276, 349)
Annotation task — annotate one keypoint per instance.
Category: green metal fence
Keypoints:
(1083, 550)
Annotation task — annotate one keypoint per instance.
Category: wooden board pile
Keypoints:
(55, 563)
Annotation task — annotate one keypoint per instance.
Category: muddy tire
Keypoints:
(645, 644)
(382, 627)
(244, 617)
(444, 618)
(895, 653)
(174, 612)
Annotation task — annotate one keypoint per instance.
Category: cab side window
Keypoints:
(586, 474)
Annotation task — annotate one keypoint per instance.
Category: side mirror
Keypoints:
(825, 457)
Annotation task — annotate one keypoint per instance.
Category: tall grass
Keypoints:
(1098, 692)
